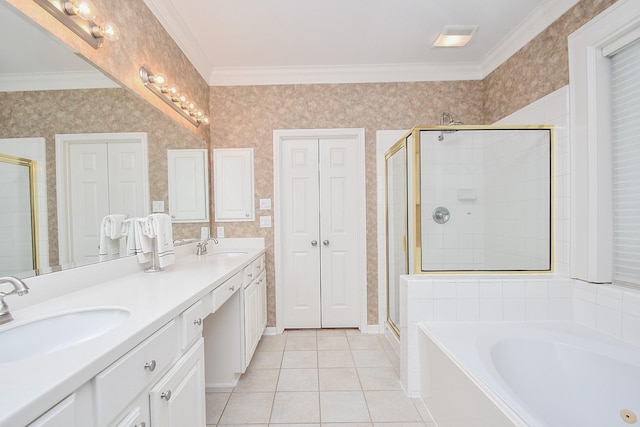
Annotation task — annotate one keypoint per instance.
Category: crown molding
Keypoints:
(170, 18)
(537, 21)
(55, 81)
(246, 76)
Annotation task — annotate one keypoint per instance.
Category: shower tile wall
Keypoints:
(553, 109)
(453, 171)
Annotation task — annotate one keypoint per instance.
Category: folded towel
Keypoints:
(143, 242)
(162, 229)
(110, 234)
(129, 234)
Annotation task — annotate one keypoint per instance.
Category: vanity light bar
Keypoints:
(170, 94)
(79, 16)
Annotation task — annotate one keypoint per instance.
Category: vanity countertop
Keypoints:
(30, 387)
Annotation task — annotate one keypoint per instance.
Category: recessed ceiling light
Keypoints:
(455, 36)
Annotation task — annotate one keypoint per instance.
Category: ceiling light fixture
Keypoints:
(170, 94)
(455, 36)
(80, 17)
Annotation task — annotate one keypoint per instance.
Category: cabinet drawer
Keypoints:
(191, 320)
(249, 274)
(223, 292)
(258, 266)
(61, 415)
(120, 383)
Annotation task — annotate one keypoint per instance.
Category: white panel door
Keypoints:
(319, 219)
(338, 223)
(300, 230)
(88, 199)
(126, 179)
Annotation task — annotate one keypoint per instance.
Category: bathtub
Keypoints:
(551, 374)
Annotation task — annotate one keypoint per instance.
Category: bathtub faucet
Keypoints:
(19, 287)
(201, 248)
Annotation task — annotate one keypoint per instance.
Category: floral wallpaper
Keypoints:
(539, 68)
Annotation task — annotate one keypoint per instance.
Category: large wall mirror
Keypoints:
(46, 91)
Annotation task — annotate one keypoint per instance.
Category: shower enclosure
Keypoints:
(18, 232)
(478, 200)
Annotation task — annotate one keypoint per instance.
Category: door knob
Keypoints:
(325, 242)
(314, 243)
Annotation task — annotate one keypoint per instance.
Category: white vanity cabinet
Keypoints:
(255, 306)
(178, 399)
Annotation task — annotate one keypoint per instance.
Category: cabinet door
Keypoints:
(177, 400)
(188, 185)
(233, 184)
(251, 306)
(262, 305)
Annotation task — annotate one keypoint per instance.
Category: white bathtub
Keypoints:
(551, 374)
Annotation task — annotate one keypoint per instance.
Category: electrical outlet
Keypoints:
(204, 233)
(265, 221)
(220, 232)
(157, 206)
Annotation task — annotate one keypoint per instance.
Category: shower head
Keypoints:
(446, 119)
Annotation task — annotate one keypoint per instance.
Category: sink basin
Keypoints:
(57, 332)
(226, 254)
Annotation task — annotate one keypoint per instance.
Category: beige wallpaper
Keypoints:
(539, 68)
(47, 113)
(246, 117)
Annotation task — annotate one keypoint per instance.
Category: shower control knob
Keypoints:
(441, 215)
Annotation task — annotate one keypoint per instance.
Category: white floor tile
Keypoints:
(258, 380)
(299, 343)
(295, 407)
(298, 380)
(300, 360)
(379, 379)
(371, 359)
(335, 359)
(248, 408)
(215, 403)
(343, 406)
(391, 406)
(266, 360)
(339, 379)
(364, 342)
(330, 342)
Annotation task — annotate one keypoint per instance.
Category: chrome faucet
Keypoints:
(19, 287)
(201, 247)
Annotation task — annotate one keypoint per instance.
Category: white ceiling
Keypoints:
(235, 42)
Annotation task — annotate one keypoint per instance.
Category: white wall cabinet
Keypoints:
(188, 172)
(233, 184)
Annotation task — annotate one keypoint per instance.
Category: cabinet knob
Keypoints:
(325, 242)
(197, 322)
(150, 366)
(166, 395)
(247, 215)
(314, 243)
(232, 288)
(142, 424)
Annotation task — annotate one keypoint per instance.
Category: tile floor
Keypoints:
(312, 378)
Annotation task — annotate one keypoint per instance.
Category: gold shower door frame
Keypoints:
(31, 165)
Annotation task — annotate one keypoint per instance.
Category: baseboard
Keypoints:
(270, 330)
(374, 329)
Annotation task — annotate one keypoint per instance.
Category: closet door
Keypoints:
(338, 224)
(300, 230)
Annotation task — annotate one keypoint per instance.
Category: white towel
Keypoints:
(110, 234)
(129, 234)
(162, 229)
(142, 237)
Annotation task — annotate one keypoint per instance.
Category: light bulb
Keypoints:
(191, 106)
(158, 79)
(174, 90)
(205, 120)
(110, 31)
(84, 9)
(198, 114)
(182, 99)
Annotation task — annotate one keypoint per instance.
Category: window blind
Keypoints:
(625, 109)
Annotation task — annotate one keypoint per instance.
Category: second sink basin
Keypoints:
(57, 332)
(228, 254)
